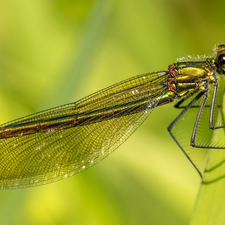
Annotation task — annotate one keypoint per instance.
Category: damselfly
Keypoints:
(57, 143)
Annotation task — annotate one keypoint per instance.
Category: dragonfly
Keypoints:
(60, 142)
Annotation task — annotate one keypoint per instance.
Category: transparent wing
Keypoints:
(60, 142)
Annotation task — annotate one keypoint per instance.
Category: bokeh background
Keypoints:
(54, 52)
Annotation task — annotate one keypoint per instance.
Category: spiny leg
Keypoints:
(215, 89)
(196, 98)
(204, 99)
(189, 95)
(201, 108)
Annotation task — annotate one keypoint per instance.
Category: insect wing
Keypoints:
(80, 134)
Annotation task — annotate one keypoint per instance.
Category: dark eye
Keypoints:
(221, 60)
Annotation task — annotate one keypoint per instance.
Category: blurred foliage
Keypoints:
(74, 10)
(55, 52)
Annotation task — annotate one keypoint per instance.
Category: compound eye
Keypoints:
(221, 60)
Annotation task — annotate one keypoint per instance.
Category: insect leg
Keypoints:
(204, 99)
(189, 95)
(215, 89)
(197, 97)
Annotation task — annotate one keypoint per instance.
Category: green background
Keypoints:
(54, 52)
